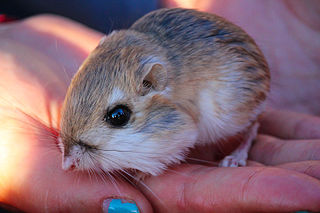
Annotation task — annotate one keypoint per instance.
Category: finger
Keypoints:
(48, 188)
(290, 125)
(33, 181)
(82, 193)
(272, 151)
(75, 193)
(65, 29)
(311, 168)
(254, 163)
(249, 189)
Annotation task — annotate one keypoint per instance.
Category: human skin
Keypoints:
(38, 57)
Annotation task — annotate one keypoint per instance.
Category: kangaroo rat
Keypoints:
(175, 79)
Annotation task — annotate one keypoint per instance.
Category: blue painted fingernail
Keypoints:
(302, 212)
(119, 206)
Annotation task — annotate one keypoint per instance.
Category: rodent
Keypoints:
(175, 79)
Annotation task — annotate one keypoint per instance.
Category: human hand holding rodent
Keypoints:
(283, 162)
(277, 27)
(34, 149)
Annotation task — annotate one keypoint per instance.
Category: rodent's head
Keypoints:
(117, 114)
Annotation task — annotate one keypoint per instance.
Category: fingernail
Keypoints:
(302, 212)
(119, 206)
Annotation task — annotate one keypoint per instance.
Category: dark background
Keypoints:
(102, 15)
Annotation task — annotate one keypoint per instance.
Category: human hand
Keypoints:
(283, 174)
(29, 147)
(38, 57)
(263, 189)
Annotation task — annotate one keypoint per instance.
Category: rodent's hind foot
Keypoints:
(240, 155)
(233, 161)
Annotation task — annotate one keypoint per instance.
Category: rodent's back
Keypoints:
(207, 51)
(186, 32)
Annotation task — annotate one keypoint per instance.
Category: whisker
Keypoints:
(144, 185)
(111, 178)
(129, 151)
(178, 173)
(89, 174)
(77, 179)
(202, 161)
(67, 76)
(13, 106)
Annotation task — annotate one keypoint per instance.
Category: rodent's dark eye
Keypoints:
(118, 116)
(146, 84)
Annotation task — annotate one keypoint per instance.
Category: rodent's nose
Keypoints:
(69, 163)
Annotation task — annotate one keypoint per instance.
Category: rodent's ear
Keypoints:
(154, 76)
(105, 37)
(102, 40)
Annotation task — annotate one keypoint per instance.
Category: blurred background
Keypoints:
(102, 15)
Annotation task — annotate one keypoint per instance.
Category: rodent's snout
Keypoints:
(74, 156)
(69, 163)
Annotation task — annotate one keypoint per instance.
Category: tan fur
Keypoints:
(203, 55)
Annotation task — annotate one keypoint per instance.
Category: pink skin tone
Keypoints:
(39, 55)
